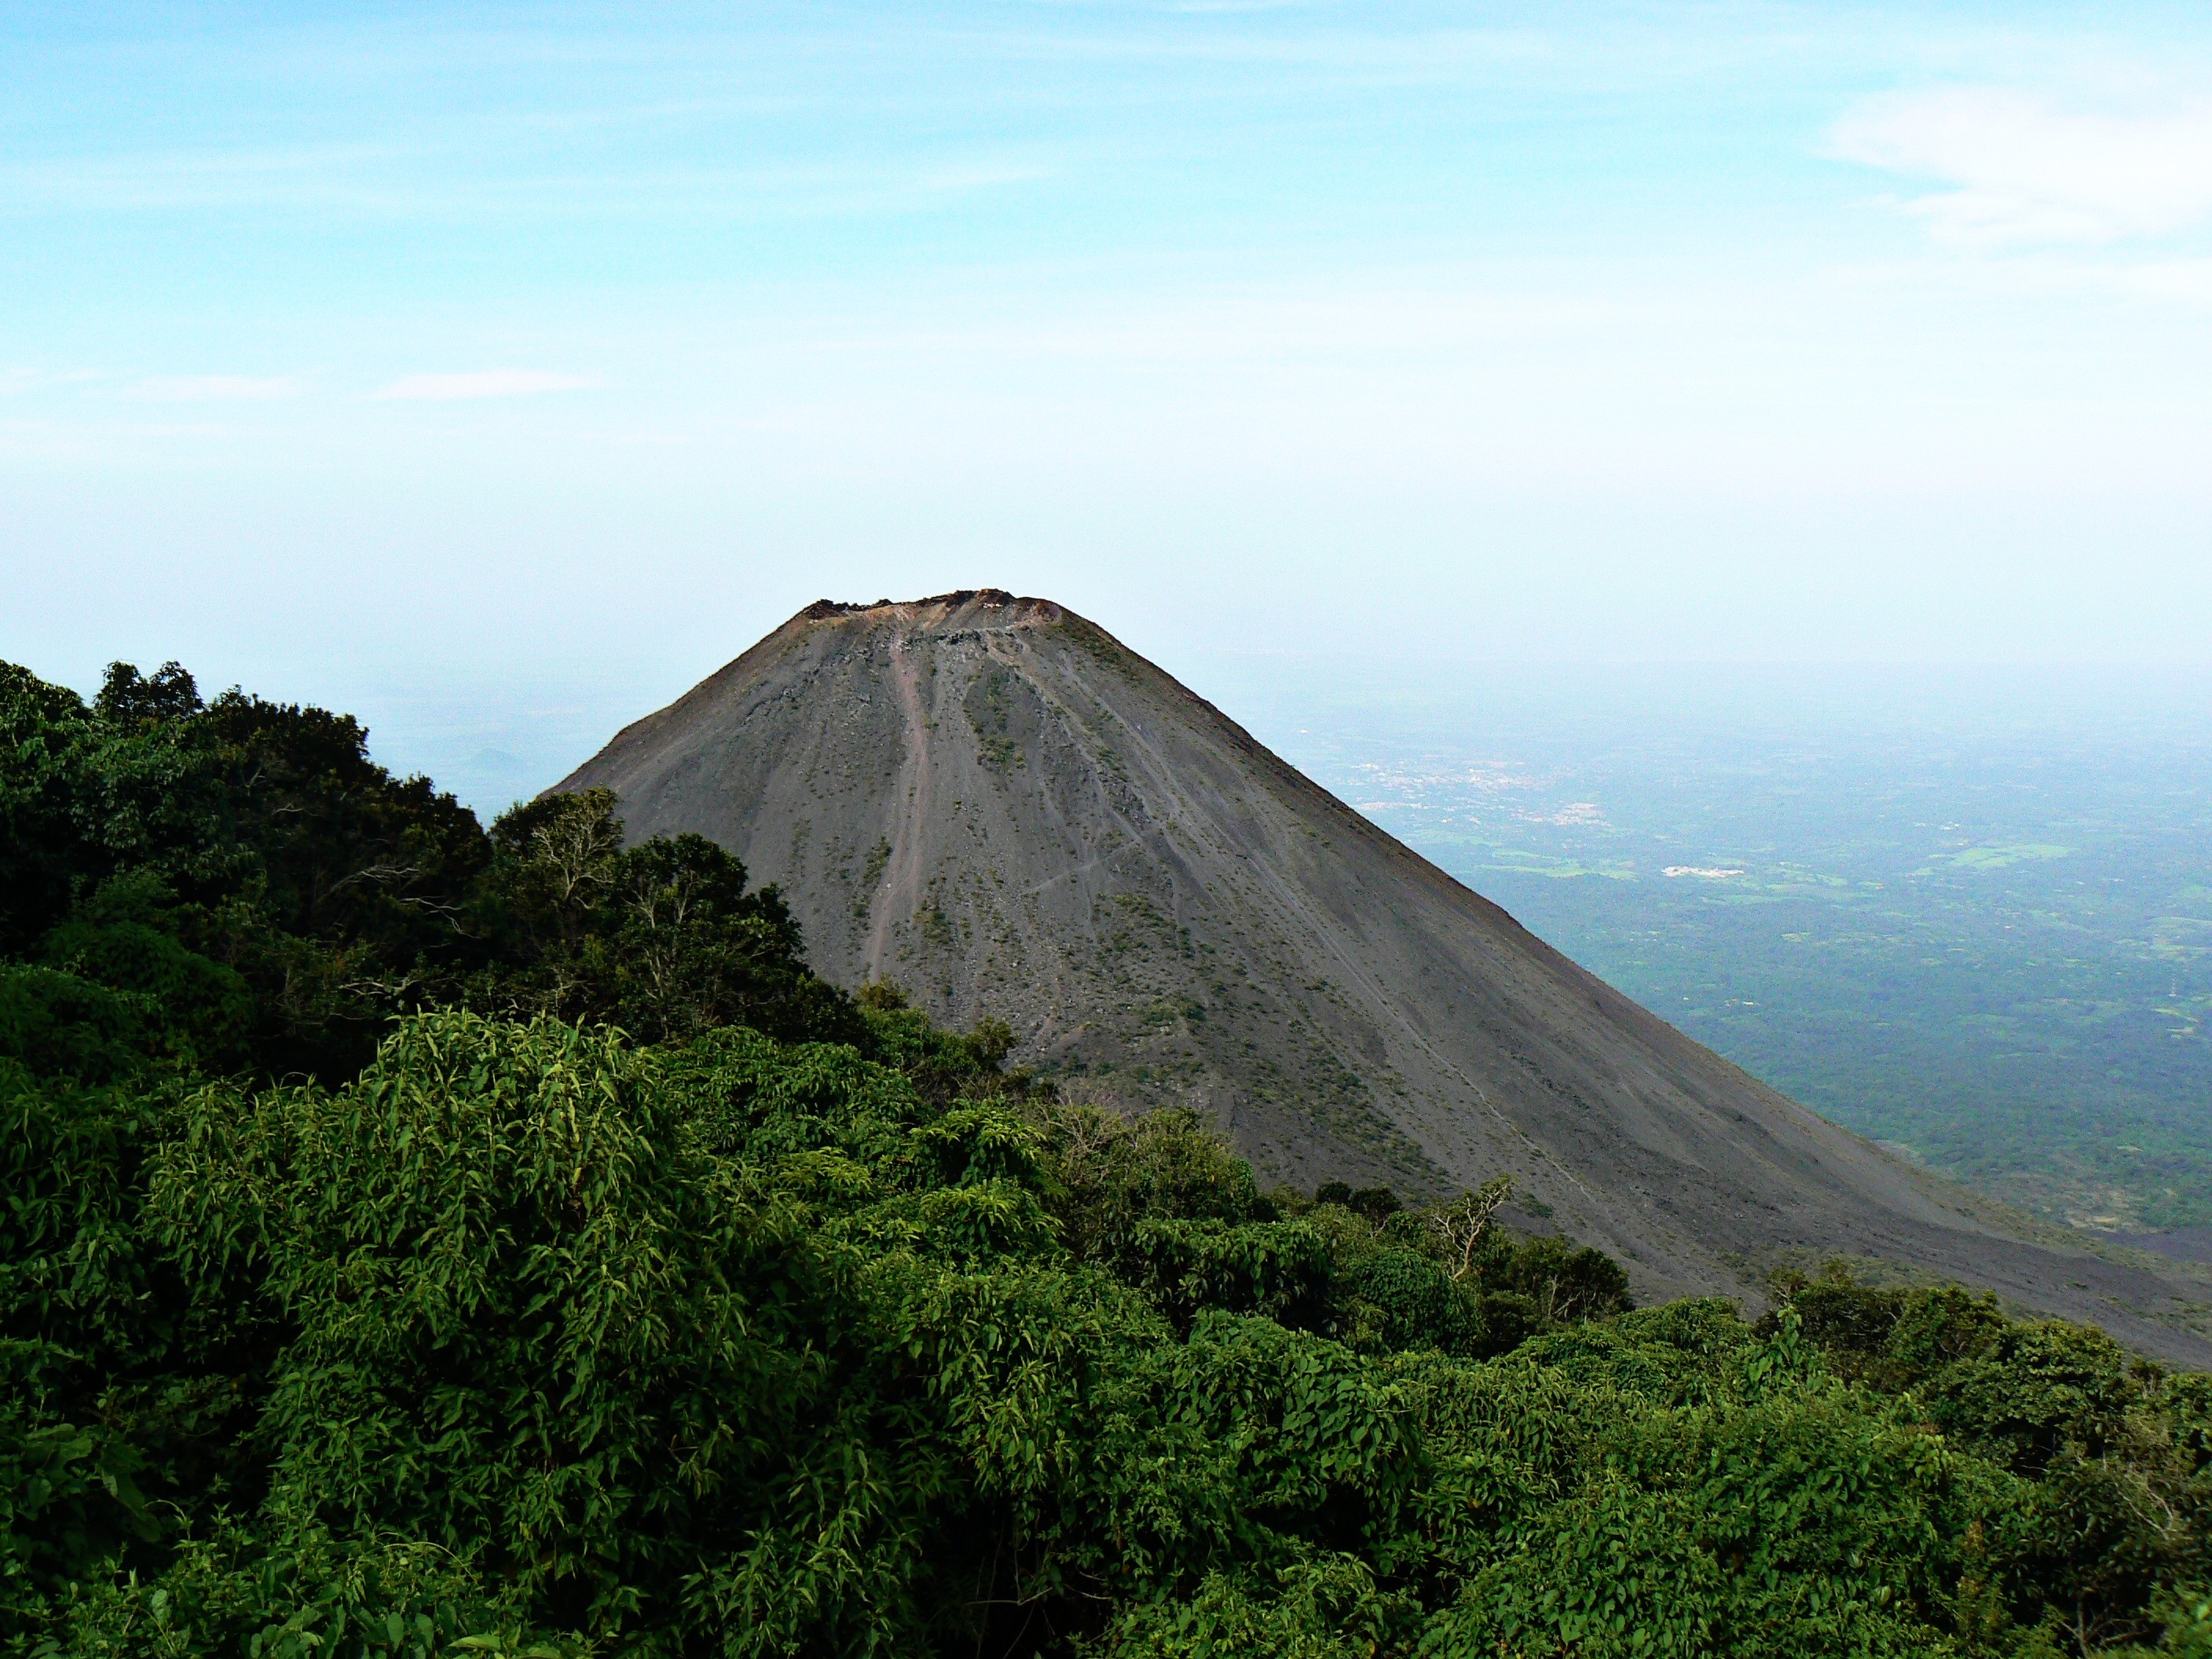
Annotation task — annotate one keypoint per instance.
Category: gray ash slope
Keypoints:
(992, 801)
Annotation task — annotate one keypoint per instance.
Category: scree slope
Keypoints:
(992, 801)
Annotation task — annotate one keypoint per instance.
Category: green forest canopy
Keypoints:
(420, 1240)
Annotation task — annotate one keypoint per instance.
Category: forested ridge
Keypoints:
(421, 1239)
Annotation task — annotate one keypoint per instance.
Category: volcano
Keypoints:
(994, 802)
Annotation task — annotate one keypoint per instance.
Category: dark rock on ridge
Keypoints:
(991, 801)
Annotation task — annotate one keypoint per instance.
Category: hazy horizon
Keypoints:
(493, 739)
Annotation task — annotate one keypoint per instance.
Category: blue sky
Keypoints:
(423, 357)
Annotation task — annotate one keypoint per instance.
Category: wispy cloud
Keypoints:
(213, 388)
(480, 383)
(2065, 274)
(360, 176)
(2024, 171)
(505, 168)
(15, 381)
(984, 175)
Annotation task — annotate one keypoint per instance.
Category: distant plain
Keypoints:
(1967, 912)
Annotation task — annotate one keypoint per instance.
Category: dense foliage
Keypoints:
(418, 1241)
(235, 886)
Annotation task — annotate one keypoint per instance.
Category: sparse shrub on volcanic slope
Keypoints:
(845, 1339)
